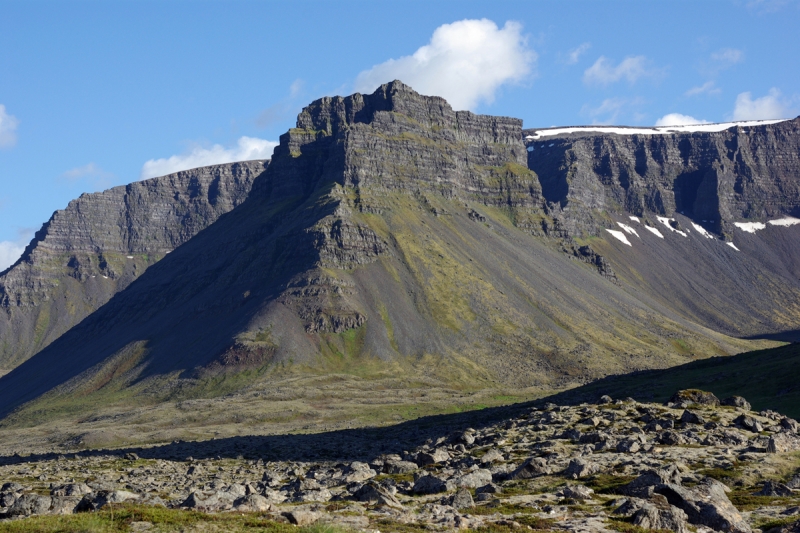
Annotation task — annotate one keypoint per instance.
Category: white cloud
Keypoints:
(247, 148)
(465, 63)
(576, 53)
(708, 87)
(773, 105)
(676, 119)
(9, 253)
(603, 72)
(8, 128)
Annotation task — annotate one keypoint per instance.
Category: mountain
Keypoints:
(100, 243)
(392, 236)
(711, 214)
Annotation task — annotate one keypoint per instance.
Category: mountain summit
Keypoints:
(391, 233)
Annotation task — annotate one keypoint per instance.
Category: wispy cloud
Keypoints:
(709, 87)
(8, 128)
(773, 105)
(719, 61)
(283, 109)
(611, 110)
(632, 68)
(91, 175)
(246, 149)
(768, 6)
(676, 119)
(728, 56)
(575, 54)
(465, 62)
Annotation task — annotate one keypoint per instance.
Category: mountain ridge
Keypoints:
(100, 243)
(388, 235)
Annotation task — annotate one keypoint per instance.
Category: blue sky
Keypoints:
(98, 94)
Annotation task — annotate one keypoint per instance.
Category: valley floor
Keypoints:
(615, 465)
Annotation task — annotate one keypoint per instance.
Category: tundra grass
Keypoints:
(128, 518)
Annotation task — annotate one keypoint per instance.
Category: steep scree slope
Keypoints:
(100, 243)
(690, 205)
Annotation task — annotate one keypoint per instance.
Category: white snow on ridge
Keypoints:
(750, 227)
(702, 231)
(785, 221)
(653, 230)
(666, 221)
(635, 219)
(627, 229)
(620, 236)
(655, 130)
(733, 246)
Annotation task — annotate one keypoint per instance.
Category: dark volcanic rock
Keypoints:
(101, 243)
(738, 173)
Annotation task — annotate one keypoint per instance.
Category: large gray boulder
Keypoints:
(706, 504)
(651, 516)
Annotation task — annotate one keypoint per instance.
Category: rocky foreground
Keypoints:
(694, 464)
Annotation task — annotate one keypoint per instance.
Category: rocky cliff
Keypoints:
(389, 235)
(714, 178)
(100, 243)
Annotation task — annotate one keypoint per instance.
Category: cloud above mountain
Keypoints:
(773, 105)
(8, 128)
(246, 149)
(631, 69)
(465, 62)
(677, 119)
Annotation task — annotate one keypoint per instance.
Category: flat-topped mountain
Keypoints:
(393, 236)
(714, 174)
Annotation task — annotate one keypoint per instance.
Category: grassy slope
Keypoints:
(768, 379)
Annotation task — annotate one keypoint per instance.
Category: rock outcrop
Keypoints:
(714, 178)
(101, 243)
(337, 477)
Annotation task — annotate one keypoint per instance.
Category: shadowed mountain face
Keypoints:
(390, 232)
(100, 243)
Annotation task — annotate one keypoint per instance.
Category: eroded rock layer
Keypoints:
(100, 243)
(715, 178)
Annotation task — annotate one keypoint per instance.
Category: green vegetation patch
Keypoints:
(120, 519)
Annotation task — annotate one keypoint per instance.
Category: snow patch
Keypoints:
(785, 221)
(656, 130)
(653, 230)
(750, 227)
(702, 231)
(627, 229)
(666, 221)
(620, 236)
(733, 246)
(635, 219)
(129, 256)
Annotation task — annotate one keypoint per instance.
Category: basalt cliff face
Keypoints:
(100, 243)
(390, 235)
(689, 193)
(714, 178)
